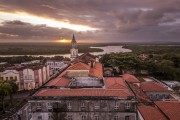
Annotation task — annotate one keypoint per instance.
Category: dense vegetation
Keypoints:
(20, 59)
(42, 48)
(163, 62)
(7, 88)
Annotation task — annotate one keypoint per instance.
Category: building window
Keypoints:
(49, 117)
(38, 105)
(163, 96)
(96, 117)
(39, 117)
(49, 106)
(83, 106)
(15, 78)
(6, 78)
(127, 106)
(126, 117)
(97, 106)
(157, 96)
(84, 117)
(116, 106)
(69, 106)
(116, 117)
(150, 96)
(69, 117)
(11, 78)
(28, 77)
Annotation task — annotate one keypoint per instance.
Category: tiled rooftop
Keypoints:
(151, 113)
(170, 108)
(83, 92)
(84, 58)
(97, 70)
(59, 81)
(79, 66)
(153, 87)
(115, 83)
(130, 78)
(141, 97)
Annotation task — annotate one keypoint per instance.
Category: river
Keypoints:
(106, 50)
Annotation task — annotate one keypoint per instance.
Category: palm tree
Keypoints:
(5, 89)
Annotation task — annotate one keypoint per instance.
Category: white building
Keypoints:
(10, 75)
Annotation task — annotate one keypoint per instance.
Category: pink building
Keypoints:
(27, 78)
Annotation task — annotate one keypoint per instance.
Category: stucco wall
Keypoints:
(77, 73)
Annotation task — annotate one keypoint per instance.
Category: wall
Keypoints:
(77, 73)
(158, 95)
(105, 112)
(29, 79)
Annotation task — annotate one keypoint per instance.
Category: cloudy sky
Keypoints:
(90, 20)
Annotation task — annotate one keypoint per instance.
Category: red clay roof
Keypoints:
(141, 97)
(115, 83)
(97, 70)
(153, 87)
(84, 92)
(79, 66)
(151, 113)
(130, 78)
(85, 58)
(59, 81)
(170, 108)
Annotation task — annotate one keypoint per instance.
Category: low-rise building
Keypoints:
(149, 113)
(155, 91)
(82, 93)
(27, 78)
(161, 110)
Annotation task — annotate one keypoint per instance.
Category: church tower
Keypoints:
(74, 50)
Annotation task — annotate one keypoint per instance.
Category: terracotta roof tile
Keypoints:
(84, 92)
(59, 81)
(97, 70)
(141, 97)
(130, 78)
(153, 87)
(115, 83)
(151, 113)
(85, 58)
(79, 66)
(170, 108)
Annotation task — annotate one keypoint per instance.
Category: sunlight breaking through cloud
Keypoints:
(35, 20)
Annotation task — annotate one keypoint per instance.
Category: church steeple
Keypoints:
(73, 42)
(74, 50)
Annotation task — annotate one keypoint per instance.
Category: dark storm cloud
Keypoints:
(119, 20)
(131, 20)
(24, 31)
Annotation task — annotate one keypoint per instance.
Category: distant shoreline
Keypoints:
(61, 49)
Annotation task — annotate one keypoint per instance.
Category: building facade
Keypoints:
(27, 78)
(81, 92)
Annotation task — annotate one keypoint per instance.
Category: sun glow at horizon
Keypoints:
(37, 20)
(63, 41)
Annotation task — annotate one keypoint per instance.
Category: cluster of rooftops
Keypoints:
(84, 78)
